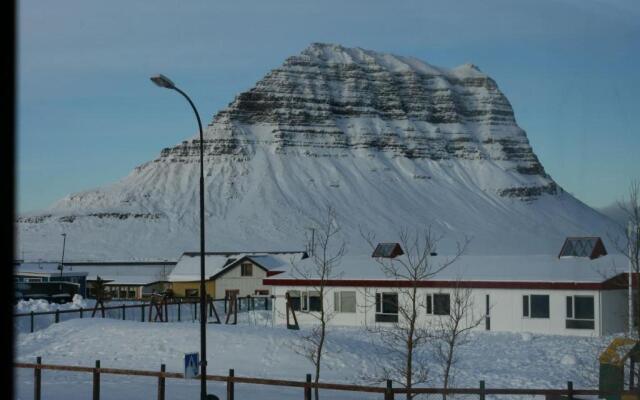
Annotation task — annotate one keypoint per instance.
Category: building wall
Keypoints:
(179, 288)
(506, 309)
(247, 285)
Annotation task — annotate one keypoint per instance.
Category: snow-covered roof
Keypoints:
(45, 269)
(188, 267)
(126, 274)
(525, 268)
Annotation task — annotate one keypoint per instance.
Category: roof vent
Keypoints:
(591, 247)
(387, 250)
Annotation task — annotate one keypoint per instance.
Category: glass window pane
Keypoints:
(314, 303)
(441, 304)
(584, 307)
(569, 307)
(336, 301)
(390, 303)
(429, 304)
(579, 324)
(539, 306)
(525, 306)
(348, 302)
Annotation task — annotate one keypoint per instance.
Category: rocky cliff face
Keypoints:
(401, 141)
(331, 97)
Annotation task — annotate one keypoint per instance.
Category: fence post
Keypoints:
(230, 385)
(37, 380)
(123, 312)
(179, 302)
(96, 381)
(142, 309)
(81, 309)
(161, 379)
(388, 394)
(307, 388)
(570, 390)
(31, 321)
(482, 394)
(57, 316)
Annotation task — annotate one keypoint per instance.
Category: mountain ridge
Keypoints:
(349, 127)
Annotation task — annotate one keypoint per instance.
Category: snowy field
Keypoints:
(259, 350)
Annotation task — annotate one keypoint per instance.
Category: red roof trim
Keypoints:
(443, 284)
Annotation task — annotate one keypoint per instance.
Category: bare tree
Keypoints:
(326, 252)
(405, 339)
(629, 243)
(452, 330)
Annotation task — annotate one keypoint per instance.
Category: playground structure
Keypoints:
(612, 365)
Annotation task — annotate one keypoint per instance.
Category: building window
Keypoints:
(123, 294)
(311, 301)
(535, 306)
(386, 307)
(246, 269)
(580, 312)
(261, 292)
(191, 292)
(438, 304)
(294, 299)
(344, 302)
(132, 294)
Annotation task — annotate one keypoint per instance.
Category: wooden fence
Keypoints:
(249, 304)
(387, 393)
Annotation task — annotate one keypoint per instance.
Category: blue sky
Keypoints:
(88, 113)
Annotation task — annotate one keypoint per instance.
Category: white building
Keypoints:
(226, 273)
(580, 292)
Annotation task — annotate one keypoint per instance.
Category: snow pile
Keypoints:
(40, 305)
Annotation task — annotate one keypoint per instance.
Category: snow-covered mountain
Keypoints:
(389, 141)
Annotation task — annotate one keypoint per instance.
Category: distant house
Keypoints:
(239, 273)
(126, 280)
(581, 292)
(37, 280)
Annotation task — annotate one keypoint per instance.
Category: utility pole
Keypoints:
(164, 82)
(64, 242)
(633, 235)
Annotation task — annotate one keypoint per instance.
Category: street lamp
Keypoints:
(64, 242)
(164, 82)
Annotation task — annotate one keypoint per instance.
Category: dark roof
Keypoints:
(387, 250)
(591, 247)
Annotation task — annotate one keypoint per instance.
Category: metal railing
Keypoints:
(177, 308)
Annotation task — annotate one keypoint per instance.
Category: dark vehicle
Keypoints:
(53, 292)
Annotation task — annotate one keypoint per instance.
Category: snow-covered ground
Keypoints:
(259, 350)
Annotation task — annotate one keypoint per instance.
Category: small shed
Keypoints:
(612, 362)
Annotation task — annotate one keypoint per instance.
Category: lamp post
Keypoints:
(164, 82)
(64, 242)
